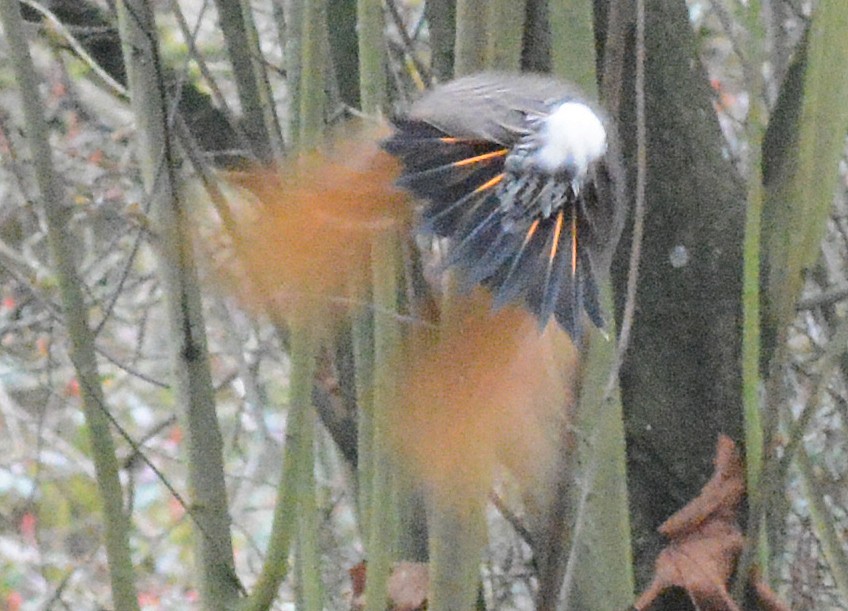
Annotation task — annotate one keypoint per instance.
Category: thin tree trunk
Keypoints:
(584, 529)
(289, 17)
(192, 378)
(681, 383)
(383, 511)
(82, 350)
(271, 119)
(504, 34)
(536, 48)
(311, 73)
(240, 49)
(802, 154)
(441, 16)
(344, 49)
(572, 48)
(372, 62)
(470, 45)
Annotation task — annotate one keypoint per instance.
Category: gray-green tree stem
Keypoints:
(372, 71)
(192, 378)
(573, 50)
(383, 517)
(504, 34)
(470, 45)
(82, 350)
(248, 83)
(311, 108)
(302, 351)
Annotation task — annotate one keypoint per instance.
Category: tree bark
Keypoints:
(681, 379)
(470, 45)
(441, 16)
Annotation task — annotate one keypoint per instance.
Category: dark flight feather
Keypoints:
(526, 236)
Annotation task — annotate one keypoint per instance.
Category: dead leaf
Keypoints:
(357, 579)
(705, 540)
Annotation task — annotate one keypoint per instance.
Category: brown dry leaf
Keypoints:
(357, 580)
(407, 587)
(705, 541)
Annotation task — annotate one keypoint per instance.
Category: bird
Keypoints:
(521, 174)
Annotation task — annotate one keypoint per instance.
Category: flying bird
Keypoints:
(521, 174)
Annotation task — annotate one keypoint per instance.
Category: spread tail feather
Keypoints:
(517, 253)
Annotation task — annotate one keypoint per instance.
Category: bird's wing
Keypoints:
(491, 106)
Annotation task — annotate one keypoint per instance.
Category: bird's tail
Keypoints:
(516, 252)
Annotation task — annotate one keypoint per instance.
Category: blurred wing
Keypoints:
(491, 106)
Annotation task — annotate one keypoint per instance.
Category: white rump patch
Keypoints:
(571, 138)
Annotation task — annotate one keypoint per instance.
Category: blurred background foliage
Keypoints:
(262, 369)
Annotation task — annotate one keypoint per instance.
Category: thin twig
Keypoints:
(78, 49)
(727, 22)
(125, 274)
(639, 207)
(832, 544)
(825, 298)
(409, 44)
(774, 470)
(510, 516)
(190, 38)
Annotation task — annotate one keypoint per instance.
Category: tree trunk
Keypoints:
(194, 392)
(681, 380)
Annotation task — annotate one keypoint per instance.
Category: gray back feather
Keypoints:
(491, 105)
